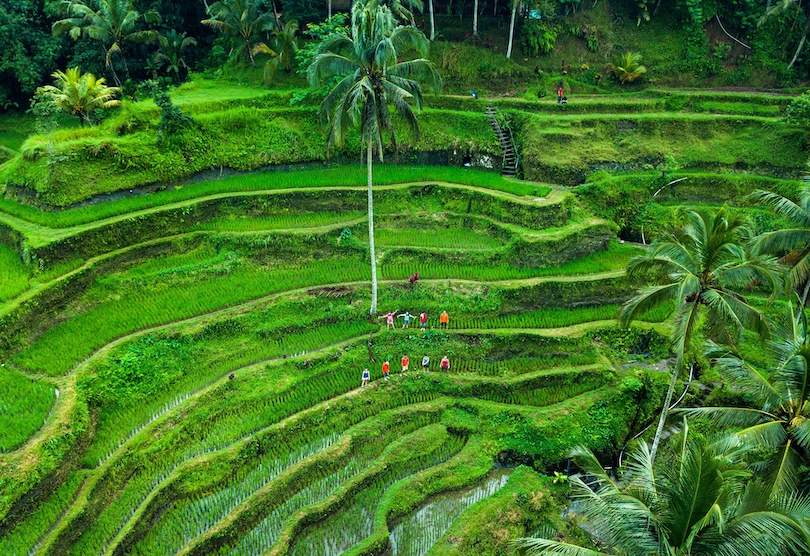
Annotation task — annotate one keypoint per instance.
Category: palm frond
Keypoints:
(544, 547)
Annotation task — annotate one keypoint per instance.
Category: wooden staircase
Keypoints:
(504, 133)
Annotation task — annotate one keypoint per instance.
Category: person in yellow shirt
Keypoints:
(444, 319)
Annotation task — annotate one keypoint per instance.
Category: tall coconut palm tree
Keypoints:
(371, 76)
(111, 22)
(285, 43)
(170, 51)
(432, 21)
(701, 271)
(81, 94)
(701, 502)
(243, 20)
(515, 4)
(779, 422)
(793, 242)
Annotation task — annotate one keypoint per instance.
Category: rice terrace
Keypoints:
(393, 278)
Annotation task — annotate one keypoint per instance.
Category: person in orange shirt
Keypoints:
(444, 318)
(386, 368)
(405, 362)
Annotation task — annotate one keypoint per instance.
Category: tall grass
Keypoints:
(24, 405)
(341, 176)
(417, 533)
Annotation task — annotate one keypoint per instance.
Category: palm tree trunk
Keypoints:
(369, 157)
(432, 21)
(512, 28)
(475, 18)
(801, 45)
(329, 3)
(664, 411)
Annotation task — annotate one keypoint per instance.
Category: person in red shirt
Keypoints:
(445, 364)
(386, 368)
(422, 320)
(560, 93)
(405, 362)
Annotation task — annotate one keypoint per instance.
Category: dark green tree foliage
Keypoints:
(28, 50)
(172, 119)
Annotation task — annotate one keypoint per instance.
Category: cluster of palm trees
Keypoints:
(739, 493)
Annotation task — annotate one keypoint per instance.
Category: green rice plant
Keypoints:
(25, 537)
(13, 273)
(112, 425)
(614, 259)
(443, 238)
(416, 534)
(261, 537)
(355, 520)
(299, 221)
(341, 176)
(25, 404)
(556, 317)
(61, 347)
(188, 520)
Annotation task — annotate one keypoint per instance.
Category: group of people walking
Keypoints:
(444, 365)
(444, 320)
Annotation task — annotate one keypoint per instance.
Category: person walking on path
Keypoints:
(423, 321)
(386, 368)
(445, 364)
(405, 363)
(560, 92)
(389, 319)
(426, 364)
(366, 377)
(406, 319)
(444, 319)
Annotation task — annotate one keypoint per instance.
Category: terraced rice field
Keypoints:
(208, 356)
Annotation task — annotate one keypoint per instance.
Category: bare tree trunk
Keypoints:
(432, 21)
(512, 28)
(369, 157)
(664, 412)
(801, 44)
(329, 3)
(495, 9)
(475, 18)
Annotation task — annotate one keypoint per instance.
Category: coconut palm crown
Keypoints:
(778, 424)
(792, 241)
(701, 271)
(369, 76)
(701, 501)
(81, 94)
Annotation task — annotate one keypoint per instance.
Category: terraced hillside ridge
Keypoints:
(708, 131)
(192, 359)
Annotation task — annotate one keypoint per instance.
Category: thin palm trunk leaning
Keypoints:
(512, 28)
(432, 21)
(801, 45)
(475, 18)
(698, 273)
(369, 162)
(369, 77)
